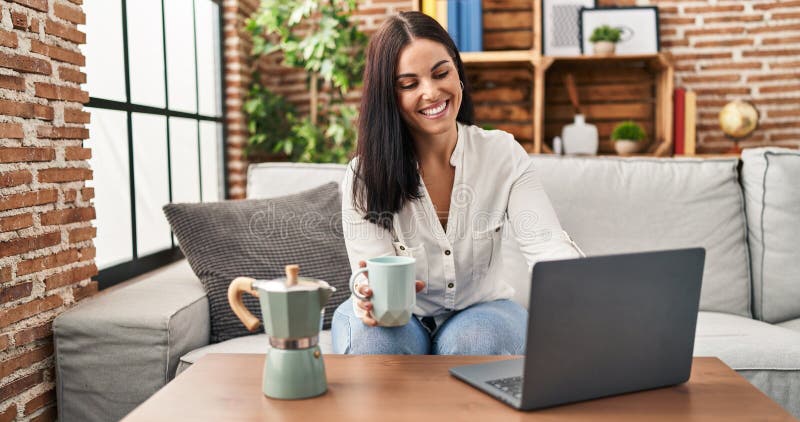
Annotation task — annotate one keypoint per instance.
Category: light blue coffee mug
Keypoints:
(394, 292)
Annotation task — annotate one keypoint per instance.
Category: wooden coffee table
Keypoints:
(227, 387)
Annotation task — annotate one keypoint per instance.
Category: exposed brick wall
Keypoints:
(734, 49)
(238, 70)
(46, 248)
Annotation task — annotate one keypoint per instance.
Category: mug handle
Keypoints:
(353, 281)
(238, 286)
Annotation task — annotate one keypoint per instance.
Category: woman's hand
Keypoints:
(366, 305)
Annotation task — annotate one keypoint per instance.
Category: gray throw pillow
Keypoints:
(257, 238)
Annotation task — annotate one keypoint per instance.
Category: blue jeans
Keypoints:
(490, 328)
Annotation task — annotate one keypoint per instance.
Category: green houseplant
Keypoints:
(604, 39)
(270, 119)
(628, 137)
(320, 37)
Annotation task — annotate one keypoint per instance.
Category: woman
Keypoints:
(427, 183)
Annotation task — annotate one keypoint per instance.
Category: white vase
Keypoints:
(626, 147)
(579, 137)
(604, 48)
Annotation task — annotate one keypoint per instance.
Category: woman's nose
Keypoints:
(429, 90)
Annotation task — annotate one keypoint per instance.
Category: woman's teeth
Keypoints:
(434, 111)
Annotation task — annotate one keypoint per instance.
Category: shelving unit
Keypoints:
(509, 56)
(611, 89)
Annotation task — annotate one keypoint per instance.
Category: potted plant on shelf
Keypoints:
(628, 137)
(604, 40)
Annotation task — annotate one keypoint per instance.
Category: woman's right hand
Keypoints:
(366, 305)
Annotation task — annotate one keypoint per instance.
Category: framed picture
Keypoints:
(639, 26)
(560, 26)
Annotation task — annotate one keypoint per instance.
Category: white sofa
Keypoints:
(116, 350)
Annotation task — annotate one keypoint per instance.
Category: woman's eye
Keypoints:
(441, 75)
(407, 86)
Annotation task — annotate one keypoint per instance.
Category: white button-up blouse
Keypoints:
(494, 180)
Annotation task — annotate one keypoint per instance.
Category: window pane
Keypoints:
(208, 63)
(183, 156)
(180, 55)
(109, 144)
(152, 183)
(146, 52)
(211, 160)
(103, 50)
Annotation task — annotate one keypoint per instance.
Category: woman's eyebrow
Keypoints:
(412, 75)
(439, 64)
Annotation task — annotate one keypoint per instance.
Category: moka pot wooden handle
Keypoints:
(238, 286)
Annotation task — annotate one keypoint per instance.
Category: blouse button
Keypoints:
(451, 285)
(402, 248)
(447, 252)
(497, 229)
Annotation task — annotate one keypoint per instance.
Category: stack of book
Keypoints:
(685, 121)
(463, 20)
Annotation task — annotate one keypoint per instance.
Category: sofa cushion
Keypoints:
(258, 343)
(792, 324)
(614, 205)
(293, 177)
(257, 238)
(771, 180)
(767, 355)
(117, 348)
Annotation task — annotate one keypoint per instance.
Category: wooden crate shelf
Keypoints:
(508, 25)
(511, 56)
(655, 61)
(503, 98)
(611, 90)
(534, 108)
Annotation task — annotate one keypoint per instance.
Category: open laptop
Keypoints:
(601, 326)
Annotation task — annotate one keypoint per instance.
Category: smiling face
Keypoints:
(428, 89)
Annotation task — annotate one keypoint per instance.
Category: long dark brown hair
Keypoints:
(386, 174)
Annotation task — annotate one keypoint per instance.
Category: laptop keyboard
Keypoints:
(511, 385)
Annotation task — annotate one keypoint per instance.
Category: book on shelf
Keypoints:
(679, 122)
(684, 116)
(429, 8)
(436, 9)
(441, 13)
(690, 123)
(453, 28)
(472, 29)
(463, 20)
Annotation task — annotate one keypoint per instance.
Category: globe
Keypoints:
(738, 119)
